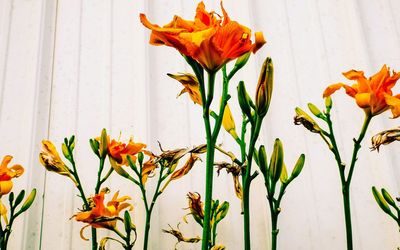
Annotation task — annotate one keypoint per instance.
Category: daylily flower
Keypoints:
(103, 216)
(119, 150)
(196, 207)
(51, 160)
(6, 174)
(180, 237)
(385, 137)
(210, 39)
(374, 94)
(236, 171)
(191, 86)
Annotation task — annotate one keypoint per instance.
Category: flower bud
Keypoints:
(315, 110)
(222, 211)
(381, 201)
(264, 88)
(328, 102)
(103, 147)
(304, 119)
(241, 61)
(28, 202)
(276, 163)
(388, 197)
(245, 101)
(298, 167)
(229, 123)
(262, 160)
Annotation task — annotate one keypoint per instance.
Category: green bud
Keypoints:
(65, 151)
(103, 147)
(94, 144)
(128, 223)
(140, 158)
(222, 211)
(241, 61)
(19, 198)
(262, 158)
(298, 167)
(328, 102)
(118, 168)
(264, 87)
(381, 201)
(11, 197)
(388, 197)
(284, 175)
(28, 202)
(315, 110)
(276, 162)
(244, 99)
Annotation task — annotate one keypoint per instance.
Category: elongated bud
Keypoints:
(118, 167)
(103, 147)
(222, 211)
(28, 202)
(94, 144)
(264, 87)
(229, 123)
(65, 151)
(19, 198)
(381, 201)
(276, 164)
(388, 197)
(284, 174)
(244, 99)
(328, 102)
(241, 61)
(304, 119)
(128, 222)
(315, 110)
(262, 159)
(298, 167)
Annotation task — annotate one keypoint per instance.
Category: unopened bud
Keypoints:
(244, 99)
(315, 110)
(264, 87)
(229, 123)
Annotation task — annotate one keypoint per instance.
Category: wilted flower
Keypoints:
(218, 247)
(236, 171)
(385, 137)
(304, 119)
(7, 173)
(179, 236)
(209, 39)
(374, 94)
(196, 206)
(103, 216)
(119, 151)
(190, 86)
(170, 158)
(51, 160)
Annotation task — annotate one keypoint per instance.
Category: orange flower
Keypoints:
(6, 174)
(374, 95)
(119, 151)
(209, 39)
(101, 216)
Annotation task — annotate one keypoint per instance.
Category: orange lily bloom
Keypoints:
(209, 39)
(119, 151)
(6, 174)
(104, 216)
(374, 94)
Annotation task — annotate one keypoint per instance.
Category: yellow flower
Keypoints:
(6, 174)
(51, 160)
(210, 40)
(374, 94)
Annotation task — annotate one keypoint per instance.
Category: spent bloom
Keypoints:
(7, 173)
(209, 39)
(374, 94)
(190, 86)
(385, 137)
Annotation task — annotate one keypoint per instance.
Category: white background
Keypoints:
(74, 66)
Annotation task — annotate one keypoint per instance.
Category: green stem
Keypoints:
(83, 197)
(347, 181)
(209, 159)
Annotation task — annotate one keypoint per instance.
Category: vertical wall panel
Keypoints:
(75, 67)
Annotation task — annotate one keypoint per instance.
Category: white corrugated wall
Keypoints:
(77, 66)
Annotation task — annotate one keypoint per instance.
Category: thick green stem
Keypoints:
(346, 181)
